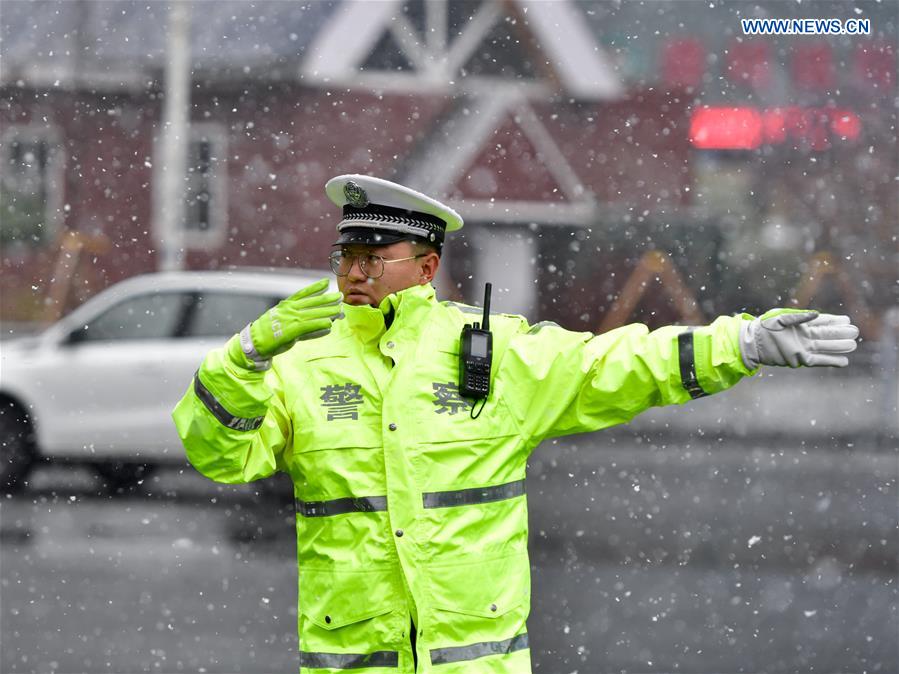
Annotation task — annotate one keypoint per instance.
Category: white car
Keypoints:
(99, 385)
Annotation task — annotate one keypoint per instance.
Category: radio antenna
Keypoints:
(485, 325)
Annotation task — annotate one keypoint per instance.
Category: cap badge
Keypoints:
(355, 195)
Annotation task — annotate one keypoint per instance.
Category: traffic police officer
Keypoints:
(411, 514)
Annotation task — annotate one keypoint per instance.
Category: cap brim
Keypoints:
(386, 193)
(369, 237)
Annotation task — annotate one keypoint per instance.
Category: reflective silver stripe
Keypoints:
(443, 656)
(220, 413)
(537, 327)
(688, 364)
(464, 308)
(349, 660)
(448, 499)
(249, 350)
(341, 506)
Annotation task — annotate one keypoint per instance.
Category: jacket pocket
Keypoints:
(336, 617)
(349, 611)
(336, 405)
(334, 599)
(484, 600)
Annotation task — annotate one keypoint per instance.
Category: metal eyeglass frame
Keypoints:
(335, 257)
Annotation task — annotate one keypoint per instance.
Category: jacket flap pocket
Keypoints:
(324, 355)
(488, 589)
(336, 621)
(447, 416)
(335, 599)
(325, 436)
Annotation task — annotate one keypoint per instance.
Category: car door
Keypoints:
(209, 319)
(111, 378)
(121, 373)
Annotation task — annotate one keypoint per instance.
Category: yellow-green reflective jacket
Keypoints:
(406, 506)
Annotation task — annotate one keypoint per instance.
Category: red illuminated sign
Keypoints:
(726, 128)
(746, 128)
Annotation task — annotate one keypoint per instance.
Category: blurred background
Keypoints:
(614, 162)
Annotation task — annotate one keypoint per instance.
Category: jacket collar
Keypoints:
(408, 308)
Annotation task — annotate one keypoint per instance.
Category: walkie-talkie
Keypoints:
(475, 355)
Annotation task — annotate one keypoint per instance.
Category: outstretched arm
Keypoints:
(577, 382)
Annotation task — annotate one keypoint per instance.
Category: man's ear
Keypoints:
(429, 265)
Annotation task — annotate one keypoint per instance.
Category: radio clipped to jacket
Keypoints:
(475, 356)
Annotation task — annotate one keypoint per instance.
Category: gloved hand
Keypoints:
(797, 337)
(306, 314)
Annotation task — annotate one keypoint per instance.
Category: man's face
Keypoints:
(358, 289)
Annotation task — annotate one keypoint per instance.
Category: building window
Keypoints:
(205, 207)
(30, 186)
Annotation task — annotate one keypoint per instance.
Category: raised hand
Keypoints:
(306, 314)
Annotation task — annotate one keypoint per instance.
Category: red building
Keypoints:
(562, 138)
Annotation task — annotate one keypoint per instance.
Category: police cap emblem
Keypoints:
(355, 195)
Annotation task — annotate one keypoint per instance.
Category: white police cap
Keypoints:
(379, 212)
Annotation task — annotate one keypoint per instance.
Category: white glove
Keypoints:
(795, 337)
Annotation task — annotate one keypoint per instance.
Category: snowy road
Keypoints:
(645, 559)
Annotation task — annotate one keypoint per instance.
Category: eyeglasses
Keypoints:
(371, 265)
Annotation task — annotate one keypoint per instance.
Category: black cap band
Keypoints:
(426, 224)
(368, 236)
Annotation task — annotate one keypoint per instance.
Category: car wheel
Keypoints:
(17, 448)
(120, 477)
